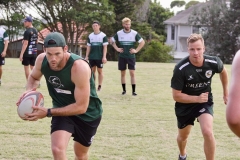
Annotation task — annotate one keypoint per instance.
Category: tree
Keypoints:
(220, 33)
(157, 15)
(177, 3)
(156, 52)
(191, 3)
(74, 16)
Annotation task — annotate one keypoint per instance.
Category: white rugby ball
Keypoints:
(32, 98)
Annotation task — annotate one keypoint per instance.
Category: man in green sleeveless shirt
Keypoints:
(76, 108)
(191, 89)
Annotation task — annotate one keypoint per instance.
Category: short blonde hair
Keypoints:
(126, 19)
(195, 37)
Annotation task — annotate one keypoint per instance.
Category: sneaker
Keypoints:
(179, 158)
(99, 88)
(124, 92)
(134, 94)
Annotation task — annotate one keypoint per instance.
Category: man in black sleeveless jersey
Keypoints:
(76, 109)
(29, 48)
(233, 105)
(191, 89)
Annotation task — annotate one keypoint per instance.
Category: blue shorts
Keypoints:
(123, 62)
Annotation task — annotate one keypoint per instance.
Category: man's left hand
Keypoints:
(38, 113)
(104, 60)
(133, 51)
(3, 54)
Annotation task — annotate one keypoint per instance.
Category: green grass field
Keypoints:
(133, 128)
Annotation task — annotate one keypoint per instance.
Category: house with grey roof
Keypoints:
(178, 30)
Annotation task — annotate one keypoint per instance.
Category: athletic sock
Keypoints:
(133, 88)
(124, 87)
(183, 156)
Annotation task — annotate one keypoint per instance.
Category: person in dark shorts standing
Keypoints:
(127, 38)
(76, 108)
(3, 49)
(191, 89)
(97, 51)
(29, 48)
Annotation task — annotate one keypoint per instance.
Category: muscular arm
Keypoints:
(81, 92)
(178, 96)
(224, 79)
(233, 104)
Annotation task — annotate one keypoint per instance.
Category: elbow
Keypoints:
(175, 98)
(82, 109)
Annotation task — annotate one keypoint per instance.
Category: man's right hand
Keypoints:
(21, 97)
(120, 50)
(202, 98)
(21, 57)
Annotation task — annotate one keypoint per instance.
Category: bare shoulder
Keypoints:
(39, 59)
(41, 56)
(81, 66)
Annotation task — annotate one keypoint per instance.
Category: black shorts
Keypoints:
(97, 63)
(29, 61)
(189, 119)
(82, 131)
(123, 62)
(2, 60)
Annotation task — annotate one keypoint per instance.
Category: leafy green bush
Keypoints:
(155, 51)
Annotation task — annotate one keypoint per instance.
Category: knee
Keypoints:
(182, 137)
(100, 72)
(57, 151)
(132, 74)
(207, 134)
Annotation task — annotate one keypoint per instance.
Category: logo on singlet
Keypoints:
(208, 73)
(190, 77)
(55, 81)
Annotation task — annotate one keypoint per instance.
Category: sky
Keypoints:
(166, 4)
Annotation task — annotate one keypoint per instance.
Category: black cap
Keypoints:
(96, 22)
